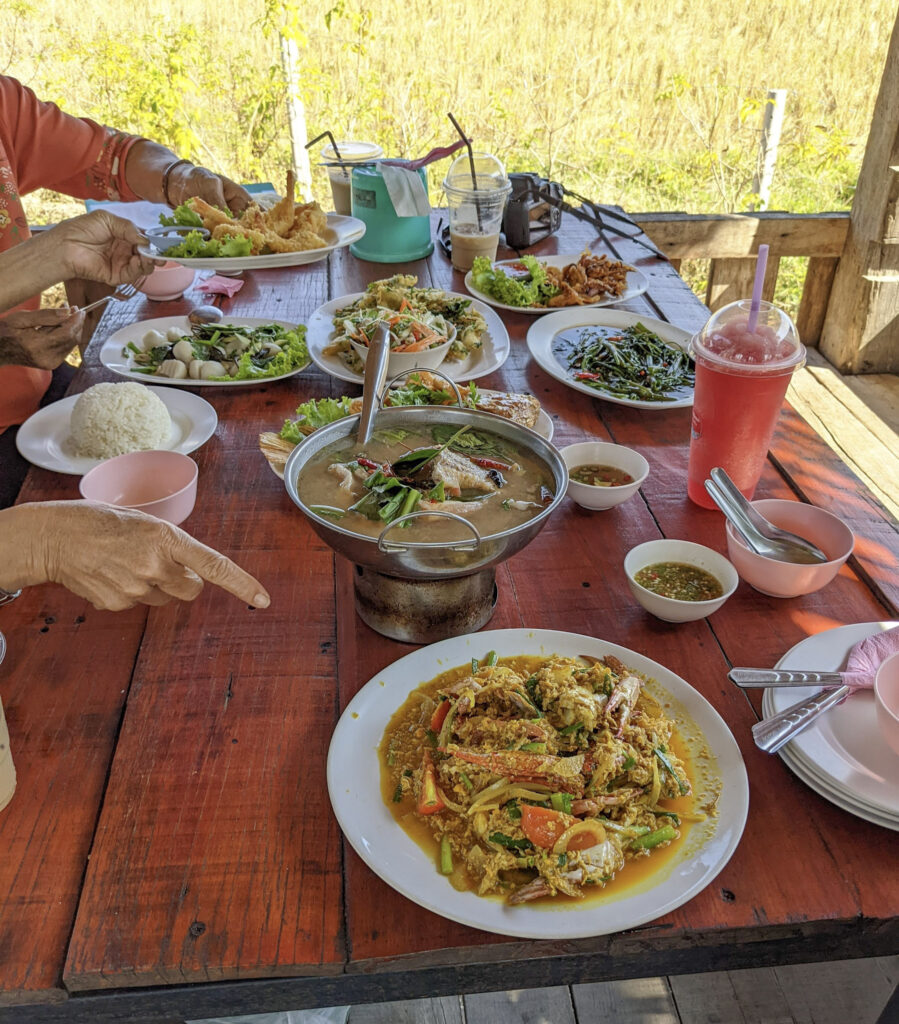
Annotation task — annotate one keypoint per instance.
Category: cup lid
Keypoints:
(727, 341)
(489, 174)
(351, 152)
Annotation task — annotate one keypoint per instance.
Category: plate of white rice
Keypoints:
(80, 431)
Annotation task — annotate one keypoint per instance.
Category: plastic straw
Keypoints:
(760, 267)
(474, 177)
(326, 135)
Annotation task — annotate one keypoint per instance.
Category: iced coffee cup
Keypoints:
(340, 177)
(476, 202)
(7, 769)
(743, 370)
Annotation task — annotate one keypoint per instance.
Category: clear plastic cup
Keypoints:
(350, 153)
(476, 206)
(741, 379)
(7, 768)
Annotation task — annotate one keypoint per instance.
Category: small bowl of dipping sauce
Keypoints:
(160, 483)
(886, 697)
(679, 581)
(601, 474)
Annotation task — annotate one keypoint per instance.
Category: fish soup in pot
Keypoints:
(436, 493)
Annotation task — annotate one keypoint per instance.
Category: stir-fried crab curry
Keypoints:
(536, 776)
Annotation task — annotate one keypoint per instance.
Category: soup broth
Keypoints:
(477, 475)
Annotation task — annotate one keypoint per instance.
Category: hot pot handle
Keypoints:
(461, 545)
(419, 369)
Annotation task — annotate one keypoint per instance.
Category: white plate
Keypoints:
(45, 440)
(637, 284)
(845, 803)
(355, 791)
(843, 751)
(494, 350)
(341, 231)
(543, 343)
(113, 356)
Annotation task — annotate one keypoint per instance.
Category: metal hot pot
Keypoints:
(420, 591)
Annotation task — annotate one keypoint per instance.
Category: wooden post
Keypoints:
(861, 329)
(296, 116)
(772, 124)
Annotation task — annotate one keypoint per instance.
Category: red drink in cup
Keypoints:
(742, 375)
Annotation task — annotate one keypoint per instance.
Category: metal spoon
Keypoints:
(373, 382)
(763, 538)
(204, 315)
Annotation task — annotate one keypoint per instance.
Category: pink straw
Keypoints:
(760, 266)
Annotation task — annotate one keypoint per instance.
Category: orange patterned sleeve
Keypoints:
(51, 149)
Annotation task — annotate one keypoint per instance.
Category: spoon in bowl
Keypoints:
(763, 537)
(373, 380)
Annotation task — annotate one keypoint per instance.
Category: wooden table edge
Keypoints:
(686, 954)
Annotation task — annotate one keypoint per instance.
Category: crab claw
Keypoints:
(625, 693)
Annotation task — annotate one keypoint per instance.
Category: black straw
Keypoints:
(474, 177)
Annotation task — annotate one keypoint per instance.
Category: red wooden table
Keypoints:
(171, 852)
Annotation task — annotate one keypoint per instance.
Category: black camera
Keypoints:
(533, 210)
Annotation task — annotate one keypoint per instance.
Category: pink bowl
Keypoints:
(163, 484)
(886, 696)
(786, 579)
(170, 281)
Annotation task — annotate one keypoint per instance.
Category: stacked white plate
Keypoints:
(843, 756)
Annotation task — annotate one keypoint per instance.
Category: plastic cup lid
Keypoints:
(490, 174)
(353, 151)
(726, 340)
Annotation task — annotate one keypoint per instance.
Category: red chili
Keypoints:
(368, 463)
(489, 463)
(586, 376)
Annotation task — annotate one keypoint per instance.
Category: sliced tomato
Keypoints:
(439, 716)
(542, 825)
(429, 801)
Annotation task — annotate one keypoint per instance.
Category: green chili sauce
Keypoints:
(600, 476)
(679, 581)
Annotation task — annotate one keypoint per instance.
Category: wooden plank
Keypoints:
(445, 1010)
(815, 296)
(216, 855)
(869, 446)
(839, 991)
(819, 476)
(521, 1006)
(63, 720)
(750, 997)
(635, 1001)
(735, 235)
(731, 280)
(861, 331)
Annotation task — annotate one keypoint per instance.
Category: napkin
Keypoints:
(407, 191)
(218, 285)
(866, 656)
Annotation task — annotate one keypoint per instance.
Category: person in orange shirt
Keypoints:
(42, 147)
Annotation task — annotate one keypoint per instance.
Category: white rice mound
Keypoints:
(112, 419)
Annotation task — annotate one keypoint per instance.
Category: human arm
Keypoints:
(79, 157)
(95, 245)
(113, 557)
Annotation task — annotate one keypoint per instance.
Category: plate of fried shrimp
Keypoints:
(286, 234)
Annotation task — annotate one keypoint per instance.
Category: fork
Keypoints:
(124, 291)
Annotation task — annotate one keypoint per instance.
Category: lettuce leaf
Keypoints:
(315, 413)
(493, 281)
(182, 215)
(195, 246)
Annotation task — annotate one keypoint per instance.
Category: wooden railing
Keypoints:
(730, 242)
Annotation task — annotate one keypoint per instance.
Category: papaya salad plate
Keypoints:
(537, 783)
